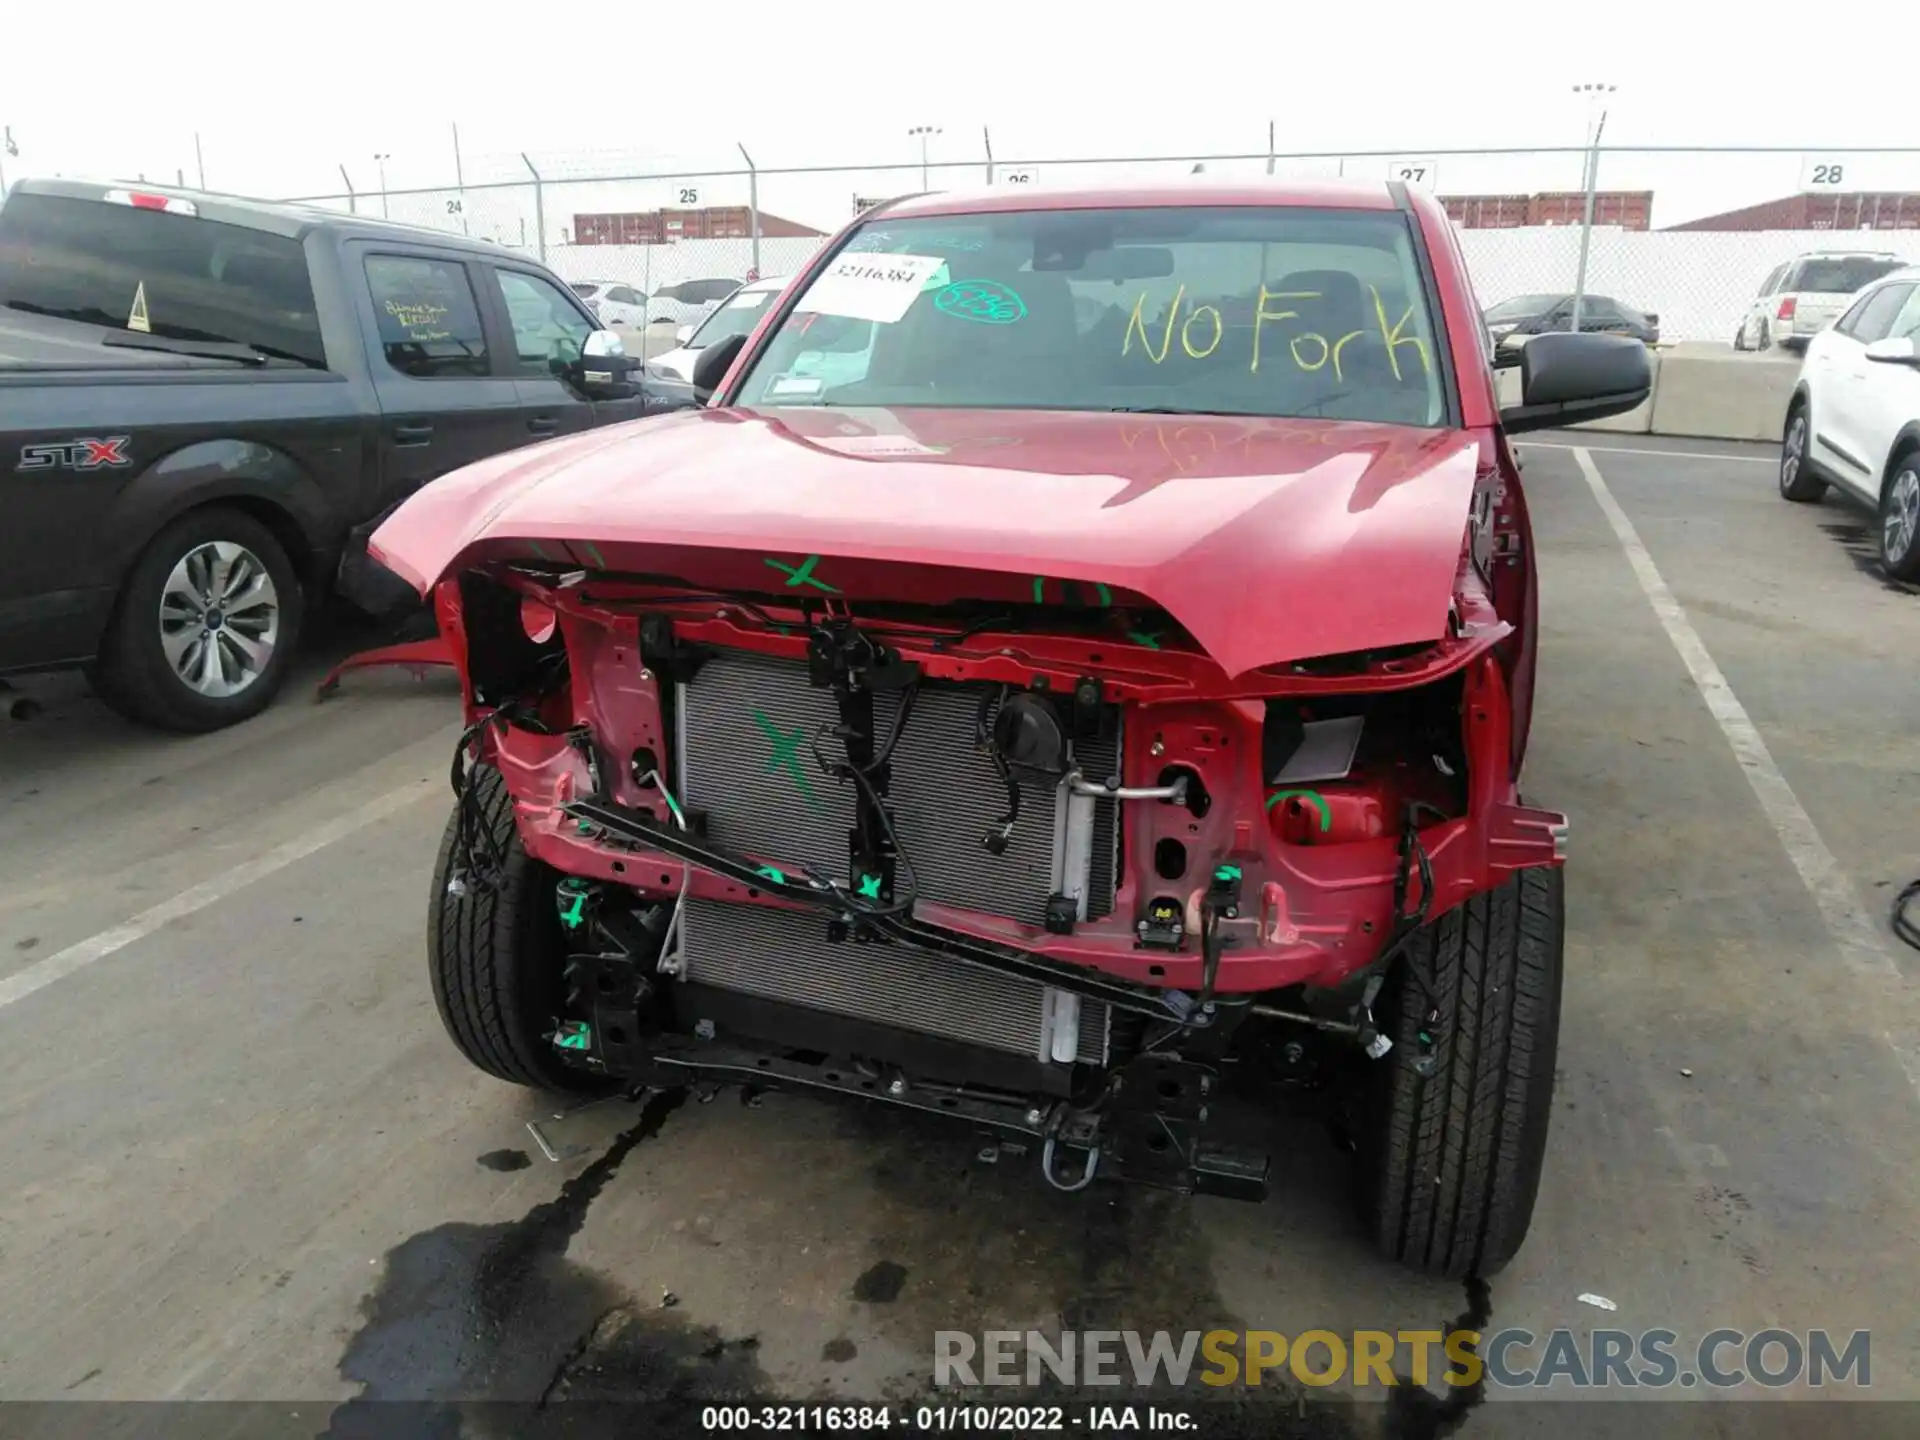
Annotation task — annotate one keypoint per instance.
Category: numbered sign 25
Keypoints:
(1413, 170)
(687, 195)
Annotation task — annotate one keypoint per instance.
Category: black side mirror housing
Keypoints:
(712, 364)
(1567, 378)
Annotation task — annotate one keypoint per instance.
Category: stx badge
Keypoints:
(91, 452)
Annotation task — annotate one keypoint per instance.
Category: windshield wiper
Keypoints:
(205, 349)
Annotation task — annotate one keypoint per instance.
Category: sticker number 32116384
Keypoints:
(870, 287)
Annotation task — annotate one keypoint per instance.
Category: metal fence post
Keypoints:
(539, 209)
(1586, 219)
(753, 205)
(1269, 147)
(353, 196)
(986, 139)
(1586, 223)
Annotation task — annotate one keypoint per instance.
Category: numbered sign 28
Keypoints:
(1414, 170)
(1019, 175)
(1829, 173)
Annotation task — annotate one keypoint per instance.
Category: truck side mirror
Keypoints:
(1567, 377)
(604, 370)
(712, 364)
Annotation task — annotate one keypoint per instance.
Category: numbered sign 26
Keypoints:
(1019, 175)
(1415, 171)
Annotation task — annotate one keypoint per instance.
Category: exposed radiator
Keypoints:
(747, 727)
(785, 955)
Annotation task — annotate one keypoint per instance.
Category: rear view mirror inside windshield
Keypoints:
(1121, 262)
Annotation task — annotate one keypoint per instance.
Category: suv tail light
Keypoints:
(1786, 309)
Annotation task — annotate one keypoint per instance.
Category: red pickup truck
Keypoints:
(1073, 677)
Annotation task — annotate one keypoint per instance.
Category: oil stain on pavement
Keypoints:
(490, 1330)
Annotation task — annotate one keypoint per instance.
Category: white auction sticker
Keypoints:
(749, 300)
(869, 286)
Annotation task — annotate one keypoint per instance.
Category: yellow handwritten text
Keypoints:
(1261, 313)
(1393, 338)
(1186, 337)
(1146, 343)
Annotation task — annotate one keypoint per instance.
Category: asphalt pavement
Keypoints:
(239, 1160)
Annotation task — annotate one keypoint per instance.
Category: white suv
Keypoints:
(1799, 299)
(1854, 419)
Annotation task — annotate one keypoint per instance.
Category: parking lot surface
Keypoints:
(242, 1161)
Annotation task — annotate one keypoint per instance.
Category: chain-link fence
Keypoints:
(1685, 235)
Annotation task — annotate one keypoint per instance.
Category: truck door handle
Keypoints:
(416, 434)
(544, 425)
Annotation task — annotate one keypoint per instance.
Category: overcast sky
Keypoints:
(281, 96)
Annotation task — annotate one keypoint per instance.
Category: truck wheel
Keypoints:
(1449, 1163)
(495, 956)
(205, 626)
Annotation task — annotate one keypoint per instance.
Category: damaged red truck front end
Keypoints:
(898, 727)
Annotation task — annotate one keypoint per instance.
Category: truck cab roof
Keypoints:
(287, 218)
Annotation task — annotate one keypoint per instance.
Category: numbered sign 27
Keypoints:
(1414, 170)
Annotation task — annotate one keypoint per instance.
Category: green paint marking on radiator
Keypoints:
(776, 876)
(574, 1035)
(1039, 589)
(540, 550)
(1148, 638)
(803, 575)
(786, 754)
(1313, 796)
(1106, 595)
(1226, 872)
(593, 554)
(870, 886)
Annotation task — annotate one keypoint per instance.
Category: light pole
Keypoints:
(7, 147)
(1596, 96)
(381, 161)
(924, 133)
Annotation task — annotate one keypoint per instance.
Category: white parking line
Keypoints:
(1663, 454)
(1853, 931)
(82, 953)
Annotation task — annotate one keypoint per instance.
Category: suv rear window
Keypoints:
(1269, 311)
(89, 260)
(1838, 276)
(585, 292)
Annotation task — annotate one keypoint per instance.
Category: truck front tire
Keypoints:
(496, 956)
(1449, 1163)
(205, 627)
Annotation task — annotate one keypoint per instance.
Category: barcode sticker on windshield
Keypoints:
(870, 287)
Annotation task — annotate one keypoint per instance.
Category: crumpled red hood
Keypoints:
(1268, 540)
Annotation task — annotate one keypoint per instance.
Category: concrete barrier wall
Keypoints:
(1701, 396)
(1722, 397)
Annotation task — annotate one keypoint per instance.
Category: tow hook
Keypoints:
(1086, 1176)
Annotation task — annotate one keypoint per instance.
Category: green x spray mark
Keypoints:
(574, 1035)
(870, 886)
(1313, 797)
(786, 754)
(802, 574)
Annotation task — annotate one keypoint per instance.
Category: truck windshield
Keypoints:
(1278, 311)
(155, 274)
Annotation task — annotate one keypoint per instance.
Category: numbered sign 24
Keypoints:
(1414, 170)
